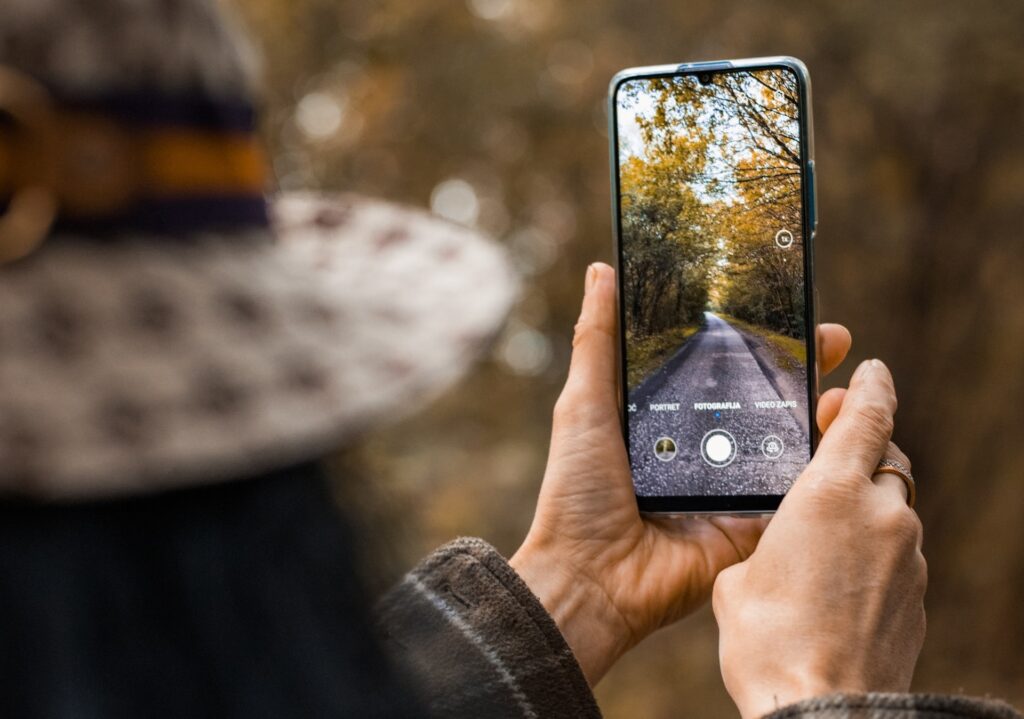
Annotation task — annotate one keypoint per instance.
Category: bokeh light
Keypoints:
(456, 200)
(319, 115)
(524, 349)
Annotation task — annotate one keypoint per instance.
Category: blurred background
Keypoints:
(491, 112)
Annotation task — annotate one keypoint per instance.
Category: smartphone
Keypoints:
(714, 217)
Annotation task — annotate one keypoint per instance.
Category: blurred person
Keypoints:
(177, 356)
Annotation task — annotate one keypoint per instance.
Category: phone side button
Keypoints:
(817, 363)
(812, 196)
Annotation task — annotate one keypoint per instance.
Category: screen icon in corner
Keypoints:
(784, 239)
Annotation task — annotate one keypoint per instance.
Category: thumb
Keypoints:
(593, 371)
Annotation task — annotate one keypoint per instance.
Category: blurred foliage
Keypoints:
(492, 112)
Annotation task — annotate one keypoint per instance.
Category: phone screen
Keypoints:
(714, 296)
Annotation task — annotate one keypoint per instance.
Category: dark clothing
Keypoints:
(237, 600)
(243, 600)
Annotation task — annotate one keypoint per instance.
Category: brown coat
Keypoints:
(481, 645)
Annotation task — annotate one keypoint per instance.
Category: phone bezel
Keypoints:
(725, 504)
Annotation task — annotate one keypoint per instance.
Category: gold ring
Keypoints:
(891, 466)
(32, 205)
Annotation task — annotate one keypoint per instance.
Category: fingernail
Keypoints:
(588, 284)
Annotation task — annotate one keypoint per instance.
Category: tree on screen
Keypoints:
(668, 249)
(717, 178)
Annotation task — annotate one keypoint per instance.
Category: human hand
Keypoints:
(832, 599)
(607, 575)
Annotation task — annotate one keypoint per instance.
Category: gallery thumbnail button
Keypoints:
(665, 449)
(718, 448)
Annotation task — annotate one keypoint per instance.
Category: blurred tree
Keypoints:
(919, 106)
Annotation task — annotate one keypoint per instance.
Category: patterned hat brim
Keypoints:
(136, 364)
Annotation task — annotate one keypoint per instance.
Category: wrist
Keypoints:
(583, 612)
(762, 698)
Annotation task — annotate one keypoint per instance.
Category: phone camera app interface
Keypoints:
(712, 257)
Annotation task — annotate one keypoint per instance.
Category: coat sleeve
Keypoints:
(896, 706)
(477, 641)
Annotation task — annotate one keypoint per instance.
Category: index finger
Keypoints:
(858, 437)
(833, 345)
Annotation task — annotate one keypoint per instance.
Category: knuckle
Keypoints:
(718, 595)
(834, 497)
(847, 480)
(894, 452)
(722, 590)
(917, 525)
(567, 406)
(922, 571)
(875, 417)
(901, 519)
(902, 525)
(587, 331)
(561, 409)
(579, 334)
(838, 490)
